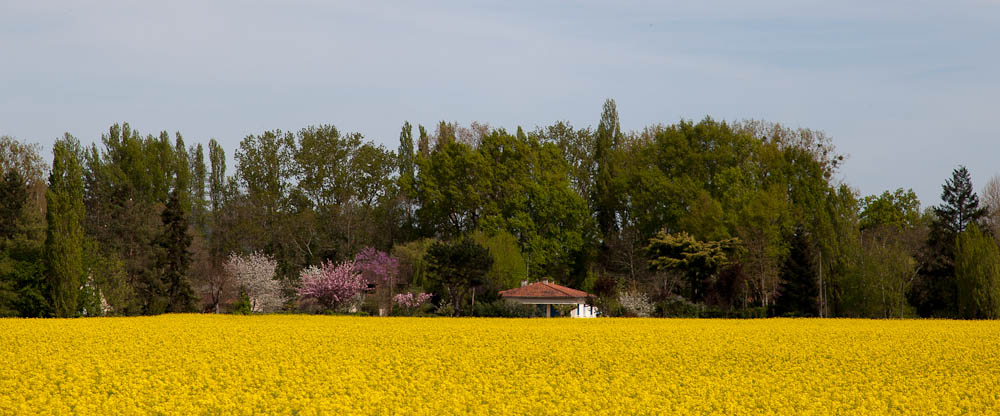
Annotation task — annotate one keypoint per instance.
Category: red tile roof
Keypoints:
(543, 290)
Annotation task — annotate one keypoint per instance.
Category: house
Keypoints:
(546, 294)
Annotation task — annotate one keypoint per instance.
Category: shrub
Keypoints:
(243, 306)
(445, 309)
(677, 307)
(503, 308)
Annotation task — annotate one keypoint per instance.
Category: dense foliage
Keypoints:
(706, 218)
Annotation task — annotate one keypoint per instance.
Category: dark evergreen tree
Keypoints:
(798, 292)
(13, 197)
(961, 204)
(935, 292)
(172, 261)
(458, 268)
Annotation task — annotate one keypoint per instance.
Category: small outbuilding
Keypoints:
(546, 294)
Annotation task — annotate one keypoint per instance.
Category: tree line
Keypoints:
(706, 218)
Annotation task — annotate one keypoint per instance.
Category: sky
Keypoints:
(907, 89)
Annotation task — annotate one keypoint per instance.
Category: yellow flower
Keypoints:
(280, 364)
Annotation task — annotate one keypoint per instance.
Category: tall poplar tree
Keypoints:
(407, 173)
(64, 237)
(217, 202)
(604, 197)
(196, 158)
(182, 175)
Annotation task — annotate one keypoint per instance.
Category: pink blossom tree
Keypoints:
(332, 285)
(376, 266)
(381, 269)
(411, 302)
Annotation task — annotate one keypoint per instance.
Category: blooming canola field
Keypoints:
(295, 364)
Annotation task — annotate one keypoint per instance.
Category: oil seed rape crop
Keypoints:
(202, 364)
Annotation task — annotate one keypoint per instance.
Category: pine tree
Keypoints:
(64, 236)
(961, 204)
(935, 293)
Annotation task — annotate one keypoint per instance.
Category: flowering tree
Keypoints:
(636, 302)
(255, 275)
(376, 266)
(379, 268)
(331, 285)
(411, 302)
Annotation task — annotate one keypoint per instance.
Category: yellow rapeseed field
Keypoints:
(202, 364)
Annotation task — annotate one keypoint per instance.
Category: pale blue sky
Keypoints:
(908, 89)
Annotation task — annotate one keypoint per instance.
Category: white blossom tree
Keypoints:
(254, 273)
(636, 303)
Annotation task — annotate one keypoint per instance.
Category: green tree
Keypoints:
(322, 158)
(217, 195)
(23, 282)
(127, 184)
(458, 267)
(26, 160)
(576, 146)
(977, 272)
(199, 177)
(525, 191)
(64, 242)
(24, 289)
(900, 208)
(605, 195)
(448, 188)
(182, 176)
(509, 267)
(217, 176)
(699, 261)
(406, 160)
(423, 142)
(266, 170)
